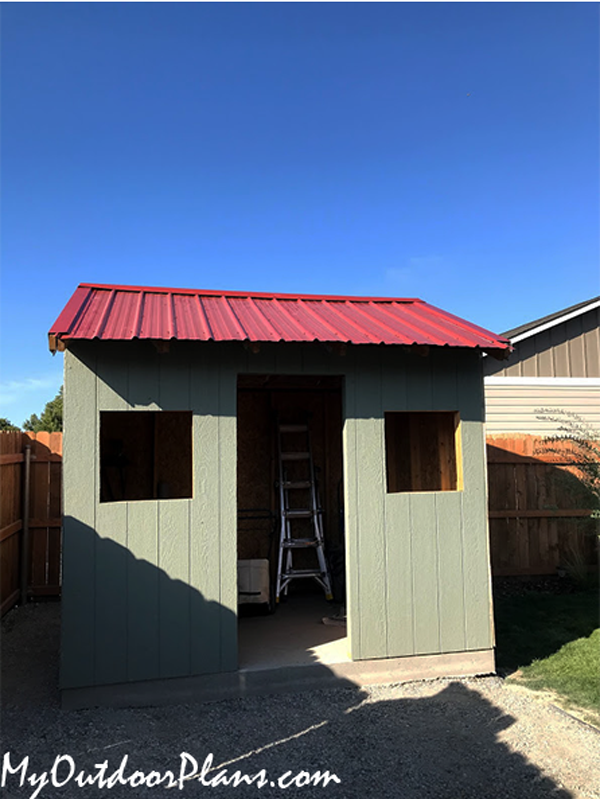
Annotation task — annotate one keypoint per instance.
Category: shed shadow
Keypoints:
(126, 620)
(418, 741)
(445, 745)
(134, 635)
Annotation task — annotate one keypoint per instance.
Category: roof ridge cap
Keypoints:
(248, 294)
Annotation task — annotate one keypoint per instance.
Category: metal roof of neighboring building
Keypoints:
(123, 313)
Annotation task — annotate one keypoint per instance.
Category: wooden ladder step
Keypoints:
(295, 456)
(287, 484)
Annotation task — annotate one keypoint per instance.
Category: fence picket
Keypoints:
(543, 505)
(43, 567)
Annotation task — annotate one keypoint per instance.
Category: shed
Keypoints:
(555, 364)
(169, 480)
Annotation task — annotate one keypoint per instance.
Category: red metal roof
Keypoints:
(123, 313)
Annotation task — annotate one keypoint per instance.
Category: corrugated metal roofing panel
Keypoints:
(251, 315)
(126, 312)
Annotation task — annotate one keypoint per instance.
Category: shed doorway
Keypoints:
(291, 631)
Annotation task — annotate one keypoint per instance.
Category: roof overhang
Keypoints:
(557, 320)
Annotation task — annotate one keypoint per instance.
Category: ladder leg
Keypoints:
(282, 530)
(322, 561)
(289, 567)
(279, 562)
(318, 526)
(288, 542)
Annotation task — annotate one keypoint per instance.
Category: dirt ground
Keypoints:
(448, 739)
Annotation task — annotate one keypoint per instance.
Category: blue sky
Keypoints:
(442, 150)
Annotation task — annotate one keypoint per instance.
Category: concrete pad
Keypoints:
(293, 635)
(281, 679)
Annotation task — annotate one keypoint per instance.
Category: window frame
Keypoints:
(159, 463)
(400, 470)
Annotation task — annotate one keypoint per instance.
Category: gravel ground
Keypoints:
(448, 739)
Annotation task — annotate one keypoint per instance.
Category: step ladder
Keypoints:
(296, 483)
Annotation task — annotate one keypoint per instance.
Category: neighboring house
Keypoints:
(555, 364)
(169, 396)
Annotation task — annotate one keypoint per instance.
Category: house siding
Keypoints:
(515, 408)
(150, 586)
(569, 349)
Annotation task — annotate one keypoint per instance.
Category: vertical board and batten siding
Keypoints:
(150, 586)
(569, 349)
(418, 563)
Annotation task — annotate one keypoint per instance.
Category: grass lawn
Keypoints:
(554, 642)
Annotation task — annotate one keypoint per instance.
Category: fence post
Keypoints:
(25, 531)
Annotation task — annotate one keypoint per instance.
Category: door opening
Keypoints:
(291, 631)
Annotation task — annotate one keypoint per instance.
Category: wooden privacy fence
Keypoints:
(30, 516)
(539, 509)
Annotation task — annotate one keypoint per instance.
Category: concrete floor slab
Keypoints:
(293, 636)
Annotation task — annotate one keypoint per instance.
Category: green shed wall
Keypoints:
(149, 587)
(418, 563)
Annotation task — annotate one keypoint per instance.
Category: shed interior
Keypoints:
(145, 455)
(295, 632)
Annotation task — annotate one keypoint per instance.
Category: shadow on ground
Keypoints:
(443, 745)
(535, 624)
